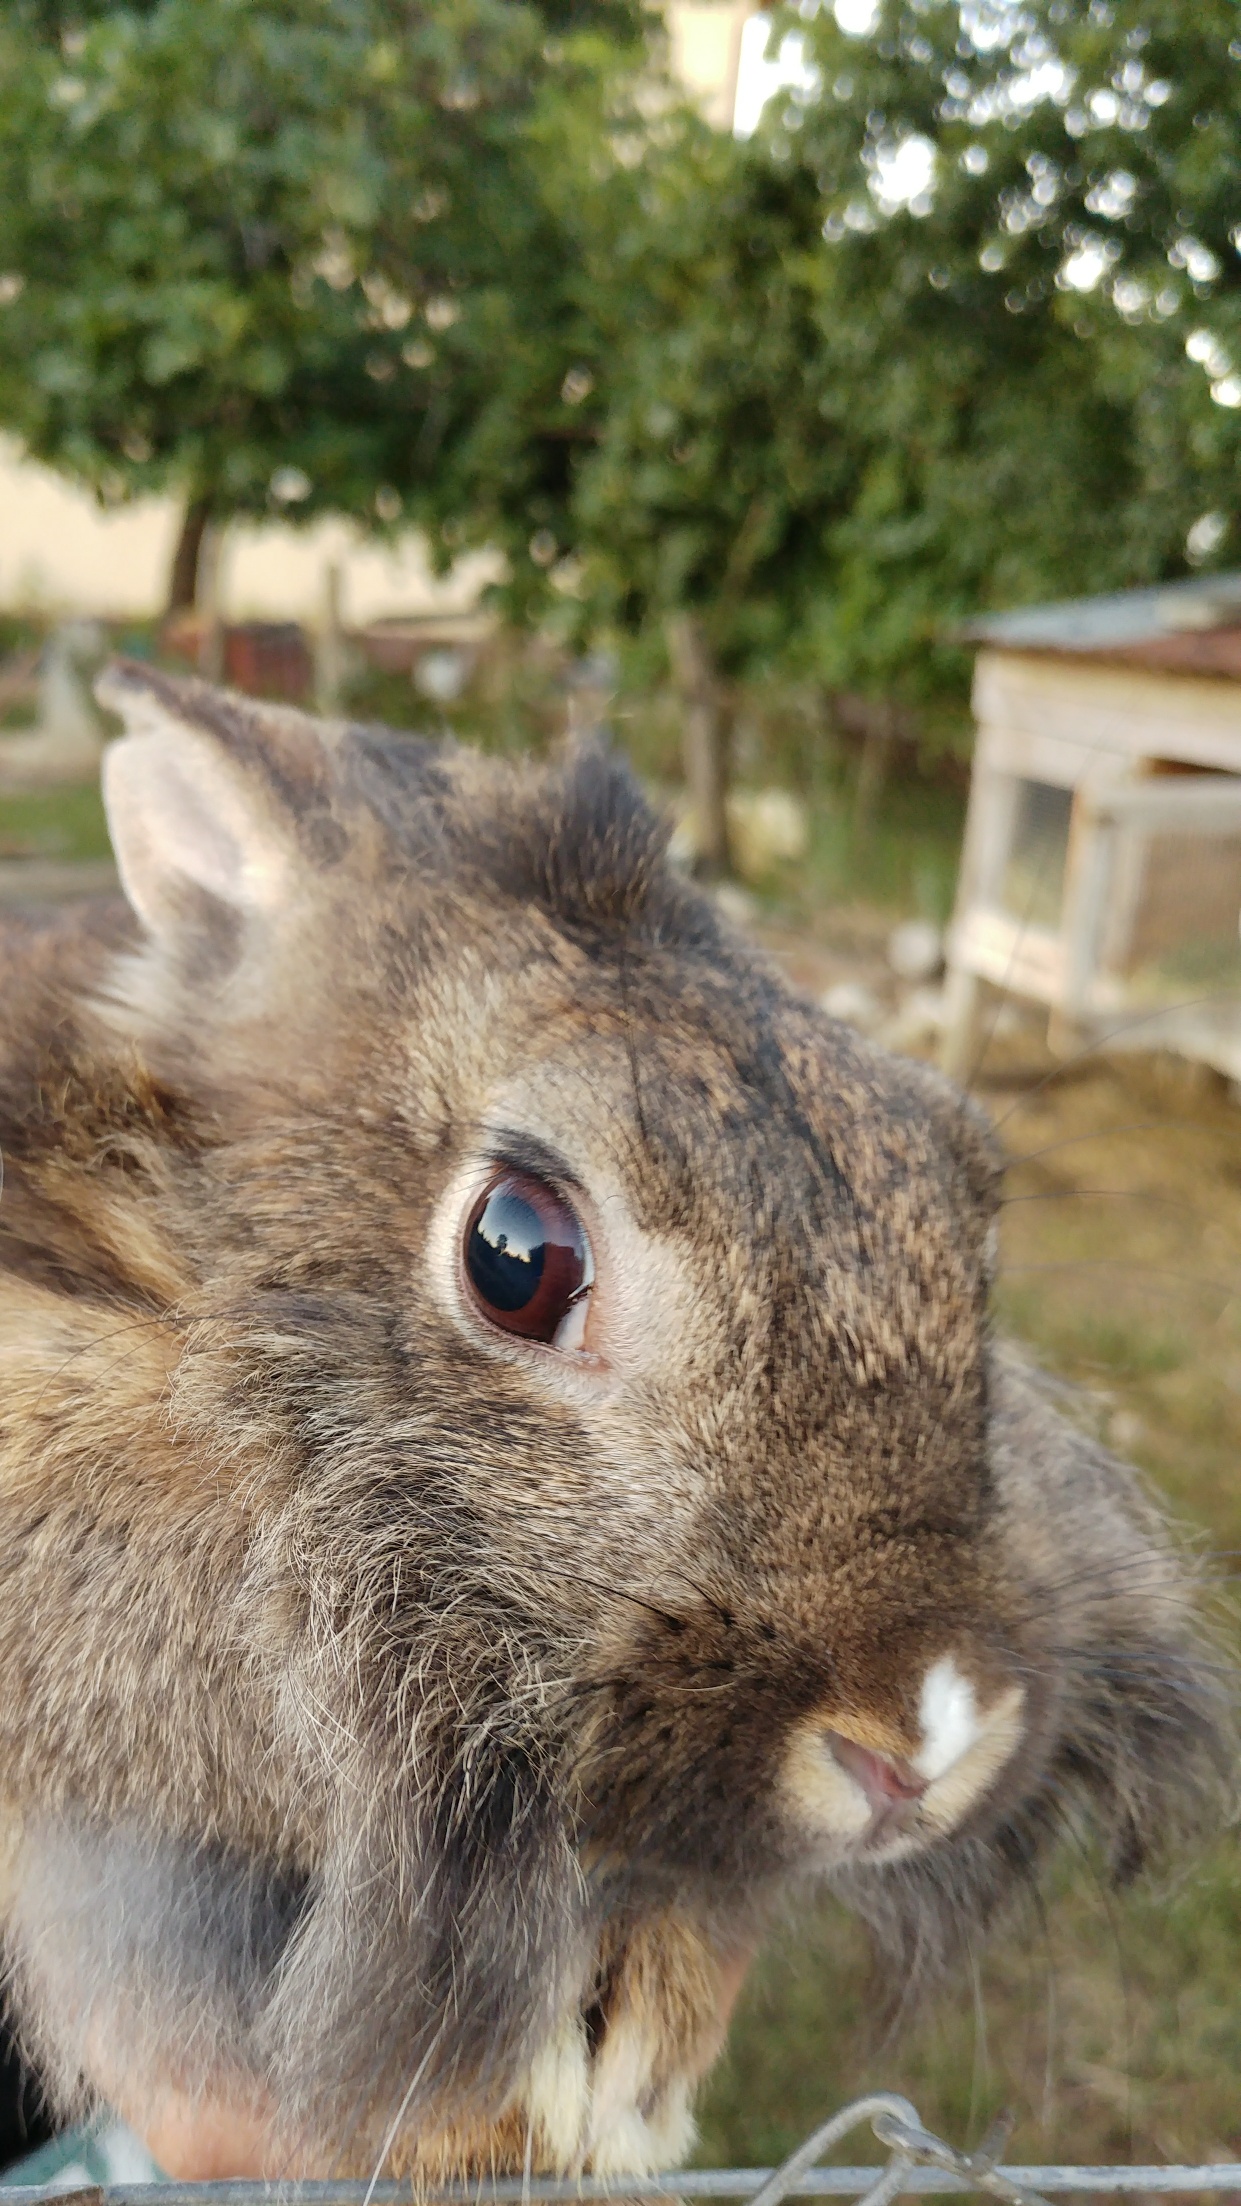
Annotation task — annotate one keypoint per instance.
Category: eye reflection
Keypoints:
(527, 1258)
(507, 1250)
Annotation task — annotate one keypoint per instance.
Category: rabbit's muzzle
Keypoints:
(879, 1791)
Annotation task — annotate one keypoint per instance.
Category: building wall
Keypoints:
(59, 552)
(704, 40)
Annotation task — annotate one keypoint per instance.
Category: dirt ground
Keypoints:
(1112, 2025)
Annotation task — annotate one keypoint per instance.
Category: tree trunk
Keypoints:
(704, 739)
(183, 580)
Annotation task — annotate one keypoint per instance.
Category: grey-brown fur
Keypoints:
(369, 1704)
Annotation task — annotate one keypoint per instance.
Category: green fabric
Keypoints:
(98, 2152)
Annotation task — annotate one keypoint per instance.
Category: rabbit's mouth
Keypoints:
(866, 1790)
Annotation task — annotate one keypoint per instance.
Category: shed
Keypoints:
(1101, 871)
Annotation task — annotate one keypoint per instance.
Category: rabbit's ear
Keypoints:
(208, 798)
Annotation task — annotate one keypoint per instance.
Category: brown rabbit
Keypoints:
(504, 1470)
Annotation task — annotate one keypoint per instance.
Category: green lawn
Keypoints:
(58, 823)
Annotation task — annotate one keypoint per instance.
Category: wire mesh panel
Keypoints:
(918, 2163)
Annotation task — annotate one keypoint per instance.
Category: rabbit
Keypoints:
(506, 1474)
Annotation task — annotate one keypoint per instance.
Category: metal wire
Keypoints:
(919, 2163)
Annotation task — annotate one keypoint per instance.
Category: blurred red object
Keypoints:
(267, 658)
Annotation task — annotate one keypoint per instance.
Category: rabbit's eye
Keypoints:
(528, 1261)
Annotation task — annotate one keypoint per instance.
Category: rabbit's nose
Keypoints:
(886, 1781)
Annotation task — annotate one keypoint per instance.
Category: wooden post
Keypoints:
(703, 739)
(873, 767)
(1087, 882)
(210, 595)
(989, 826)
(329, 645)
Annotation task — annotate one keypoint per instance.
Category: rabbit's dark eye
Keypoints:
(528, 1260)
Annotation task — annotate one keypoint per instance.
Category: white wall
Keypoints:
(704, 51)
(59, 551)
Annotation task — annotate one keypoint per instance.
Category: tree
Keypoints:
(1040, 203)
(238, 239)
(881, 408)
(702, 508)
(961, 328)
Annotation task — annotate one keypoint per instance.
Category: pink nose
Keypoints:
(885, 1782)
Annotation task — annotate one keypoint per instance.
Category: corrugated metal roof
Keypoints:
(1192, 627)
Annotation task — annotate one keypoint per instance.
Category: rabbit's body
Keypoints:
(409, 1722)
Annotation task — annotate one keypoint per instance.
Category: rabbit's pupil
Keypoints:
(527, 1257)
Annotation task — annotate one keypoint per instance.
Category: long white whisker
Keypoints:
(396, 2122)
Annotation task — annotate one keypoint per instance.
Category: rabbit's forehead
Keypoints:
(800, 1137)
(741, 1209)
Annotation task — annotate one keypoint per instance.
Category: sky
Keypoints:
(758, 75)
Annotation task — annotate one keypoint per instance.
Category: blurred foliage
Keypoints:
(473, 265)
(855, 409)
(833, 416)
(264, 253)
(1045, 330)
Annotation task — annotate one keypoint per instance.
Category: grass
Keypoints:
(54, 823)
(1112, 2029)
(904, 860)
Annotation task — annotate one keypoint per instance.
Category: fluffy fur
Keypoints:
(395, 1725)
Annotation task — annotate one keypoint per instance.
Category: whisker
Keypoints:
(1100, 1043)
(1121, 1663)
(170, 1319)
(617, 1593)
(980, 2067)
(631, 1050)
(1099, 1574)
(1107, 1578)
(1110, 1194)
(1127, 1264)
(146, 1321)
(1107, 1903)
(1105, 1582)
(397, 2119)
(1103, 1133)
(725, 1614)
(1155, 1662)
(1037, 1900)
